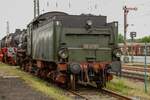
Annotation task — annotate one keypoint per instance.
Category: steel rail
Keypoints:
(75, 93)
(136, 69)
(106, 92)
(116, 95)
(133, 76)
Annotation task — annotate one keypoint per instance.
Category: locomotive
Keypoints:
(9, 45)
(70, 49)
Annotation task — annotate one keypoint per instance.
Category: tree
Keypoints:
(145, 39)
(120, 38)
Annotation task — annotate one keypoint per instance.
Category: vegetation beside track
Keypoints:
(129, 87)
(34, 82)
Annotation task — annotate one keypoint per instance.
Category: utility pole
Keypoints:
(126, 11)
(7, 27)
(36, 8)
(7, 33)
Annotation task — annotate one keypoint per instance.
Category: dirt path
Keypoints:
(16, 89)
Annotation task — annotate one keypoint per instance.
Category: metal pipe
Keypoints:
(125, 23)
(145, 68)
(38, 8)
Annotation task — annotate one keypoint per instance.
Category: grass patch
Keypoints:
(35, 82)
(129, 87)
(118, 85)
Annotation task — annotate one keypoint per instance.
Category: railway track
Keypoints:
(116, 95)
(78, 95)
(134, 68)
(135, 76)
(135, 72)
(103, 94)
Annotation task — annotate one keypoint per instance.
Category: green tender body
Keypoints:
(98, 42)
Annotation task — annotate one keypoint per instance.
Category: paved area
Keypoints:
(16, 89)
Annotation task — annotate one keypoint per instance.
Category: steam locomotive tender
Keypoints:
(72, 49)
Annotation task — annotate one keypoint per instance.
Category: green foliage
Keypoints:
(128, 87)
(120, 38)
(145, 39)
(118, 85)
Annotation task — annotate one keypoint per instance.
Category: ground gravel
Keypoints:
(16, 89)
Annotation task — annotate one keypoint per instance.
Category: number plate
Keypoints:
(90, 46)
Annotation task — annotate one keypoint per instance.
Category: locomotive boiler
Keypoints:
(72, 49)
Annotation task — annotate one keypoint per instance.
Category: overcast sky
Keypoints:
(20, 12)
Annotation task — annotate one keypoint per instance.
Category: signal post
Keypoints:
(126, 11)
